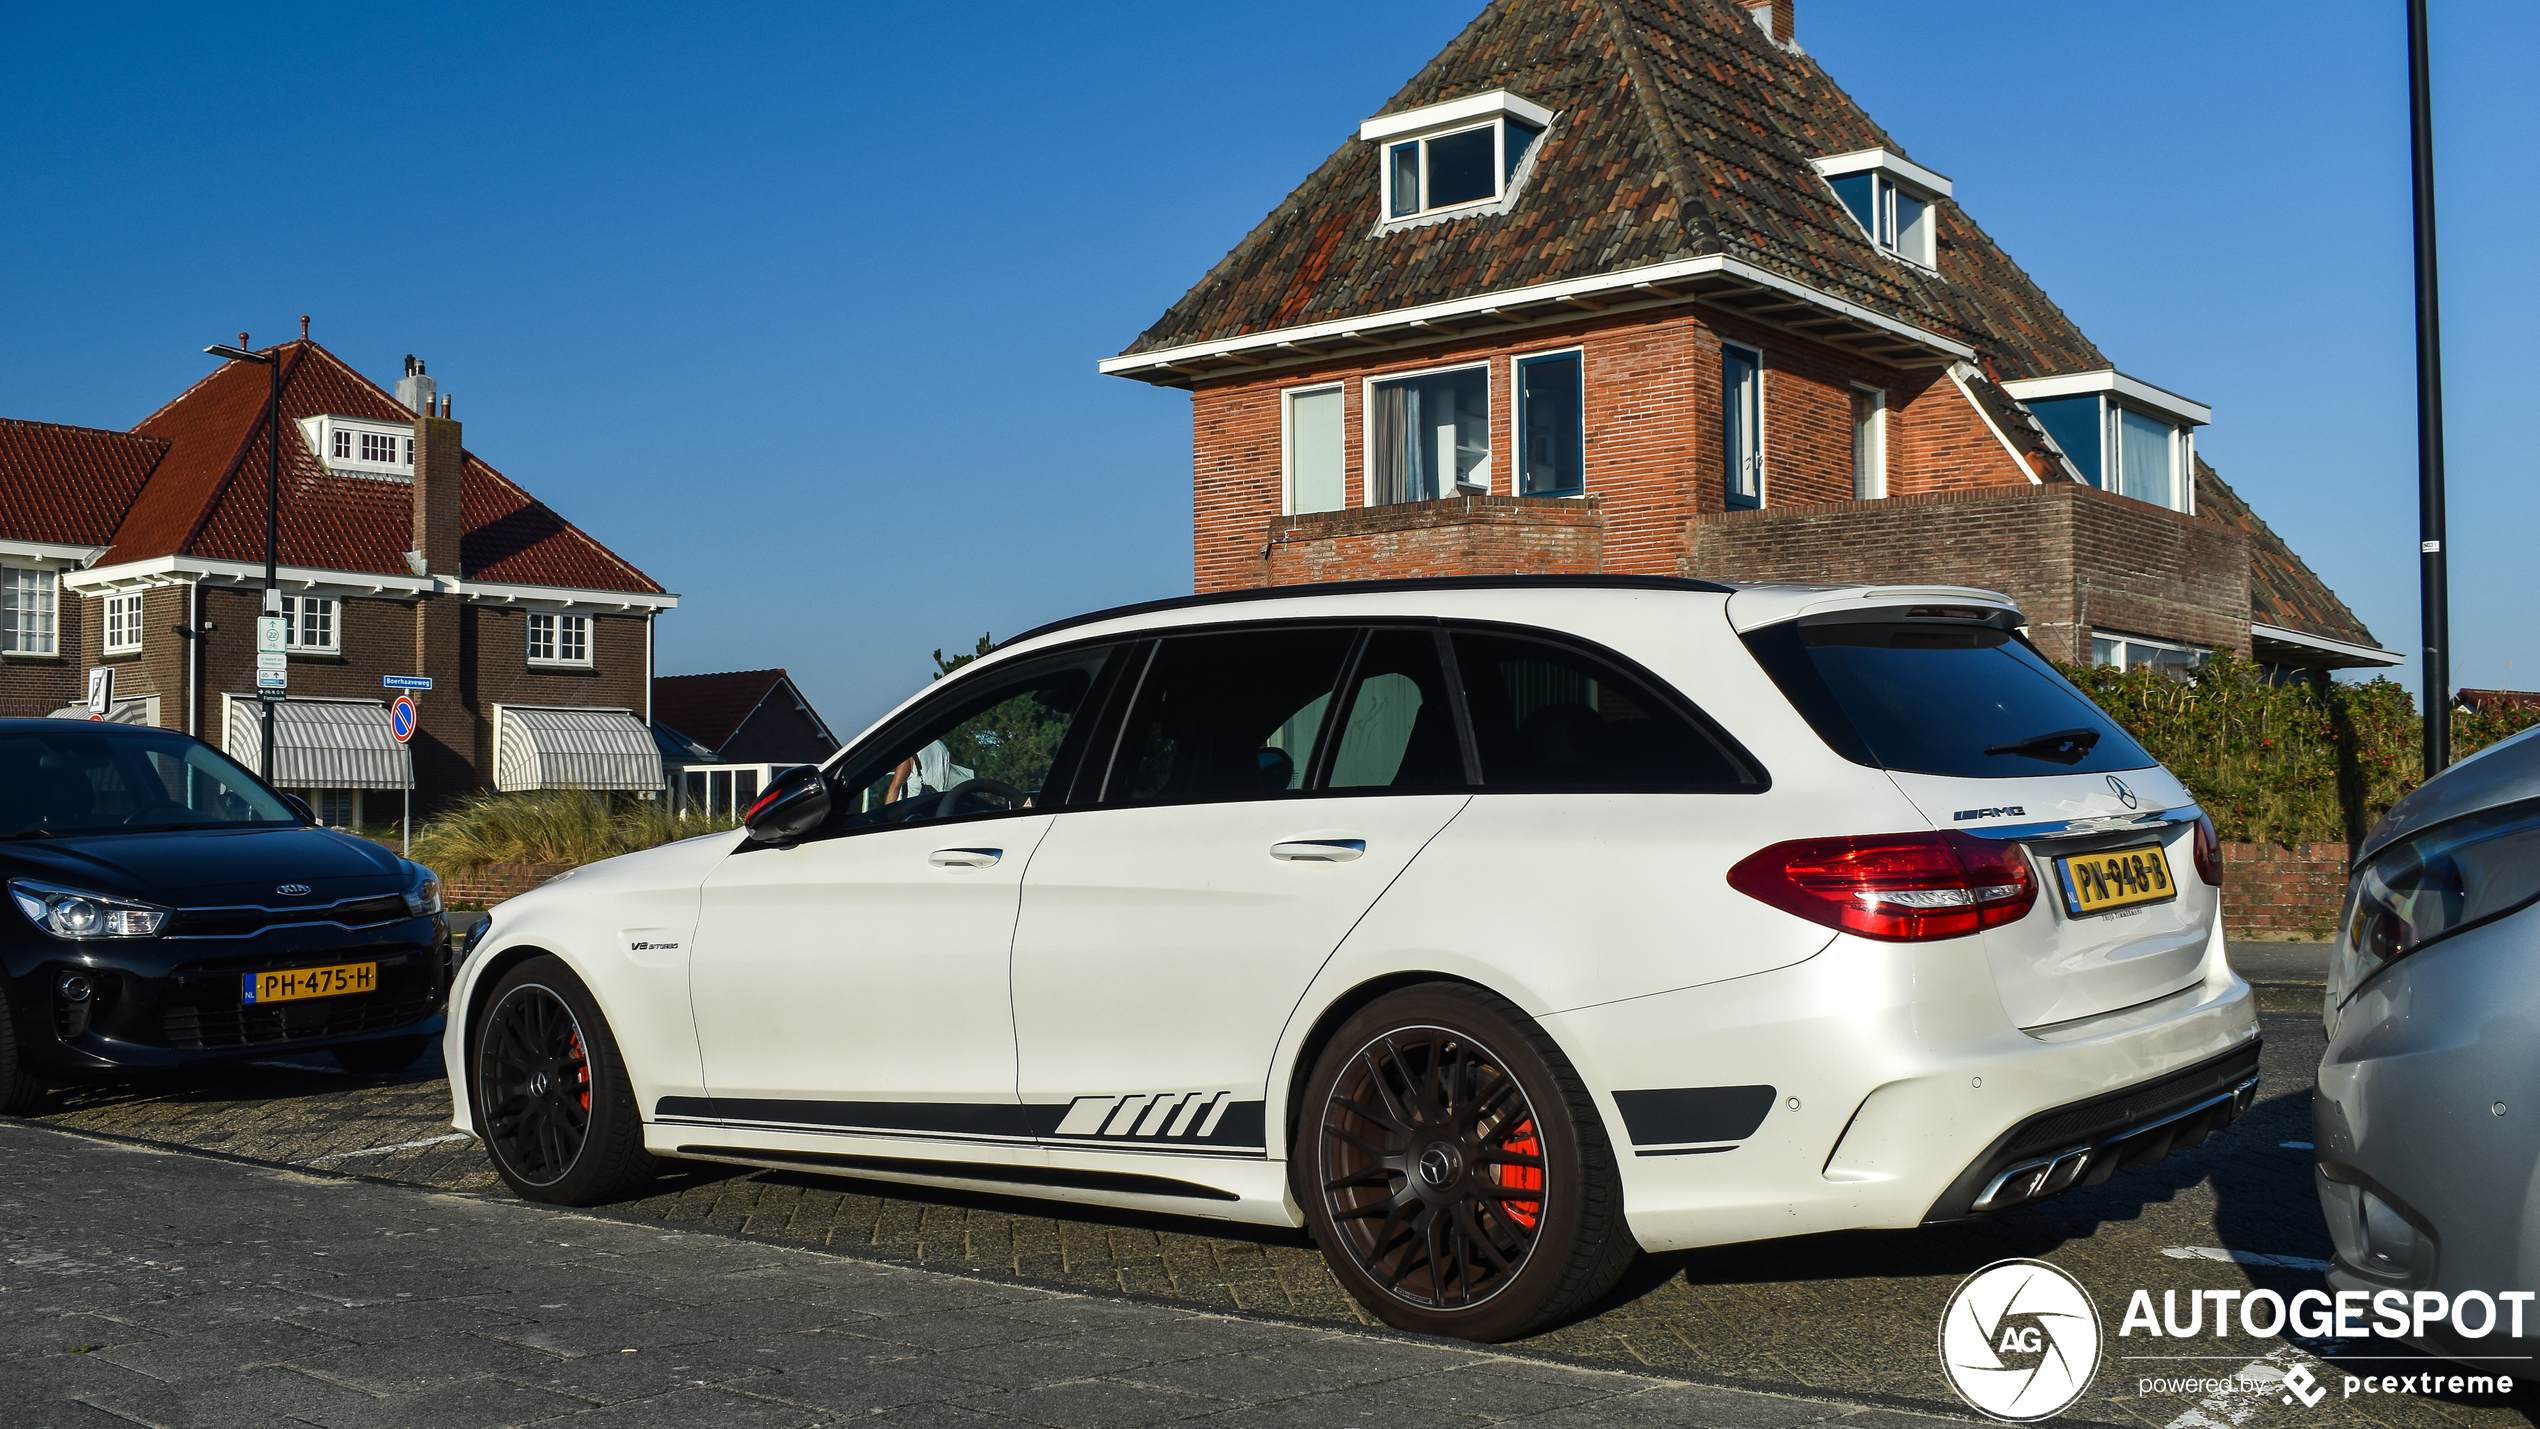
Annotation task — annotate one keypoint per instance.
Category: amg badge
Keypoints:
(2007, 811)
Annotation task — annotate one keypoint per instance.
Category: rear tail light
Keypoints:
(1899, 887)
(2208, 851)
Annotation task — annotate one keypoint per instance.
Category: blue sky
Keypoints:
(798, 309)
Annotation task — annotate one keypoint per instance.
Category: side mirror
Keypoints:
(796, 802)
(301, 807)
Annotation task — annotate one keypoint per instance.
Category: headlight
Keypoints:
(423, 896)
(71, 913)
(2431, 885)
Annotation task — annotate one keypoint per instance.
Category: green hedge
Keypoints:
(2285, 763)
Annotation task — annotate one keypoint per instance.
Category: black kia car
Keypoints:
(168, 907)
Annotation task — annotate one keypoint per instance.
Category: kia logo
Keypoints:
(2118, 787)
(301, 890)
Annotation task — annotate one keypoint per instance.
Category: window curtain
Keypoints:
(1317, 477)
(2147, 453)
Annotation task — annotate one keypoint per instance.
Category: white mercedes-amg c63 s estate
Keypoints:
(1493, 929)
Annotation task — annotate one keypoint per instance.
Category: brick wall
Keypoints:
(1493, 535)
(491, 883)
(2070, 556)
(1652, 429)
(2270, 891)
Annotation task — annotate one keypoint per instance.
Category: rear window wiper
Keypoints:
(2063, 746)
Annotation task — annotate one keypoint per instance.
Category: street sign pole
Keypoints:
(2434, 582)
(404, 718)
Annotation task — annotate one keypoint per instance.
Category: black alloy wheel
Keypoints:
(1432, 1166)
(1454, 1170)
(553, 1103)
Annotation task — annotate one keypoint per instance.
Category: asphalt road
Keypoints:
(1849, 1316)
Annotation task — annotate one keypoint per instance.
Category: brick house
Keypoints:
(724, 735)
(1634, 287)
(401, 553)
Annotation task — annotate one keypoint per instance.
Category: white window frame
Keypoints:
(1763, 467)
(1287, 444)
(556, 644)
(1493, 109)
(1367, 427)
(2197, 654)
(121, 617)
(1877, 482)
(2182, 446)
(41, 635)
(1517, 420)
(338, 442)
(1892, 174)
(296, 611)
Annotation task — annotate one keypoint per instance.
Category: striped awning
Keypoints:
(317, 744)
(545, 747)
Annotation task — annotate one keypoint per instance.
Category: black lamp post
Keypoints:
(273, 497)
(2434, 598)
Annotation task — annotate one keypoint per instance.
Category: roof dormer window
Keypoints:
(1891, 197)
(362, 446)
(1457, 157)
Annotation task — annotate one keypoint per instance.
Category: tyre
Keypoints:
(388, 1054)
(1453, 1168)
(19, 1090)
(553, 1103)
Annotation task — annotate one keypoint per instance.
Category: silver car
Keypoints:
(2427, 1122)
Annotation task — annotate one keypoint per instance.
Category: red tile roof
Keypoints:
(710, 708)
(69, 485)
(208, 496)
(1684, 131)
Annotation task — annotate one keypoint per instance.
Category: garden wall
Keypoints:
(491, 883)
(2271, 891)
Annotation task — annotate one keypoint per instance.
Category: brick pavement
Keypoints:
(1843, 1316)
(157, 1288)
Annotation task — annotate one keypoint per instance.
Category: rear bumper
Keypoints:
(1894, 1090)
(2086, 1143)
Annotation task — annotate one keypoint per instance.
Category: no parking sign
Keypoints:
(401, 719)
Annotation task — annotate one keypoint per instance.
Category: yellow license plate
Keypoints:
(2118, 878)
(311, 982)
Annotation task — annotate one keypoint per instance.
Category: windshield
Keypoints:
(84, 780)
(1918, 697)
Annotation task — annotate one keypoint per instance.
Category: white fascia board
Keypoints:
(181, 570)
(1455, 111)
(601, 600)
(1628, 278)
(2344, 649)
(177, 570)
(47, 553)
(1888, 161)
(2080, 384)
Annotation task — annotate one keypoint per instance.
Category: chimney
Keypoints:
(1778, 18)
(415, 389)
(438, 469)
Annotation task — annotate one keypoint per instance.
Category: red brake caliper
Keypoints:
(1521, 1140)
(582, 1071)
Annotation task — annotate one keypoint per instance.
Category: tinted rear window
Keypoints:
(1929, 698)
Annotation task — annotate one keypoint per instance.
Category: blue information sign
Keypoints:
(405, 682)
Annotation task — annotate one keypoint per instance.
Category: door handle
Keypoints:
(1319, 850)
(965, 857)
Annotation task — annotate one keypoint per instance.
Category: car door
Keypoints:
(1170, 925)
(856, 980)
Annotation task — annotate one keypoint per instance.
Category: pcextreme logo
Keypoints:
(2019, 1340)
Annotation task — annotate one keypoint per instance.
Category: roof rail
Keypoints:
(1428, 583)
